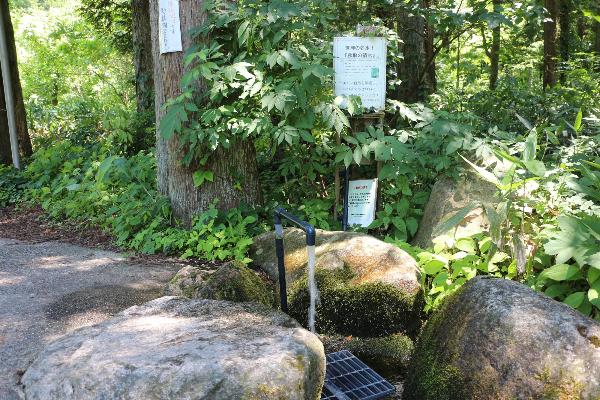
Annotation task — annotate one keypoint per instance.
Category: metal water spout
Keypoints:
(311, 235)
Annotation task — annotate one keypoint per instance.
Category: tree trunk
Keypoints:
(430, 68)
(142, 55)
(495, 50)
(5, 150)
(411, 29)
(550, 43)
(21, 119)
(596, 28)
(235, 169)
(564, 35)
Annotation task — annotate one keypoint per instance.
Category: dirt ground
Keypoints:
(50, 284)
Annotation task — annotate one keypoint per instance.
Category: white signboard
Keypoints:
(169, 26)
(362, 202)
(359, 64)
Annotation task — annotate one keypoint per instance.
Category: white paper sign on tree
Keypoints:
(169, 26)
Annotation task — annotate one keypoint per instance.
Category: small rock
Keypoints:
(232, 281)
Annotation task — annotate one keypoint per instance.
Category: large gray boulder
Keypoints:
(174, 348)
(446, 199)
(368, 258)
(498, 339)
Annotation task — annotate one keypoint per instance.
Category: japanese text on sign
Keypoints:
(169, 26)
(360, 68)
(362, 202)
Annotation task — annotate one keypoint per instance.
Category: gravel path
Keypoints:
(48, 289)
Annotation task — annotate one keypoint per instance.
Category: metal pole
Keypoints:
(8, 93)
(346, 198)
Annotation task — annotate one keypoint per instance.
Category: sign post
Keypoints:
(360, 70)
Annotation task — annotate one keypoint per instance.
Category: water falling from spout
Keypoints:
(312, 288)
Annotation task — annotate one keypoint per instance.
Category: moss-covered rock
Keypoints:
(370, 259)
(232, 281)
(360, 309)
(498, 339)
(387, 355)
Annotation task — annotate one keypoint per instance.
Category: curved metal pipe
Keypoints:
(311, 238)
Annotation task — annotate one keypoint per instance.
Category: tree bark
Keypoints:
(549, 79)
(495, 50)
(411, 29)
(235, 169)
(564, 38)
(21, 118)
(430, 67)
(142, 55)
(5, 151)
(596, 28)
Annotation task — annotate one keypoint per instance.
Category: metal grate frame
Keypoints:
(348, 378)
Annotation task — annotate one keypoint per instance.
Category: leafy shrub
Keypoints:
(11, 183)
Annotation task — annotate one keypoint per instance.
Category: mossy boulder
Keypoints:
(387, 355)
(232, 281)
(345, 307)
(370, 259)
(498, 339)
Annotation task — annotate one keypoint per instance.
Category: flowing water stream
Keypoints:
(312, 288)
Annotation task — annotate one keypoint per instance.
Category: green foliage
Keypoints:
(271, 86)
(455, 260)
(543, 230)
(118, 193)
(110, 18)
(75, 84)
(11, 183)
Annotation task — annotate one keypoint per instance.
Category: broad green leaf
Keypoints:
(578, 120)
(525, 123)
(432, 267)
(575, 299)
(593, 275)
(466, 244)
(485, 174)
(535, 167)
(104, 168)
(560, 272)
(455, 219)
(201, 176)
(357, 155)
(530, 149)
(556, 290)
(593, 294)
(243, 32)
(572, 241)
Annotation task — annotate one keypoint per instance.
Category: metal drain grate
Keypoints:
(348, 378)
